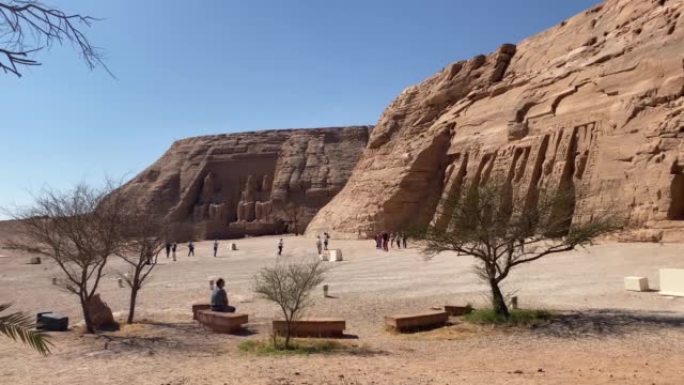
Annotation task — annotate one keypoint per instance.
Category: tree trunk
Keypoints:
(288, 332)
(135, 287)
(498, 301)
(86, 316)
(131, 306)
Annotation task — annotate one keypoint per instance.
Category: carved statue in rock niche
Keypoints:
(266, 185)
(249, 192)
(207, 188)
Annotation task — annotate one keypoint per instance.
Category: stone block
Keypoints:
(324, 256)
(34, 261)
(334, 255)
(672, 282)
(420, 321)
(312, 327)
(636, 283)
(233, 247)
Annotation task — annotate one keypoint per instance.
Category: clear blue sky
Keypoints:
(188, 68)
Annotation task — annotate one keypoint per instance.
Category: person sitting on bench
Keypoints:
(219, 298)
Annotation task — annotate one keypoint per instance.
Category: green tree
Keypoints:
(502, 232)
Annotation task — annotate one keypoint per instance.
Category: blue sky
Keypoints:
(187, 68)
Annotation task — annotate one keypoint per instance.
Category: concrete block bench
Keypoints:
(636, 283)
(457, 311)
(312, 327)
(221, 322)
(418, 321)
(197, 307)
(672, 282)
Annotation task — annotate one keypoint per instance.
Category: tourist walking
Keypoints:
(167, 247)
(191, 249)
(385, 241)
(280, 246)
(404, 237)
(319, 245)
(399, 235)
(173, 250)
(216, 245)
(378, 241)
(326, 239)
(391, 239)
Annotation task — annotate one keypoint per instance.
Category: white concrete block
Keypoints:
(335, 255)
(324, 256)
(636, 283)
(672, 282)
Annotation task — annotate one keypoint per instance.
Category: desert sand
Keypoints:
(605, 336)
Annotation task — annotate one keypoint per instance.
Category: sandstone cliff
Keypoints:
(252, 183)
(595, 105)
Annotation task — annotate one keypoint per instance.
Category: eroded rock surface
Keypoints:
(594, 105)
(254, 183)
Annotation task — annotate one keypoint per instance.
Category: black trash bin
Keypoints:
(52, 322)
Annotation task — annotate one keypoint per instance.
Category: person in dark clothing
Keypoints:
(378, 241)
(215, 247)
(219, 298)
(326, 238)
(385, 241)
(191, 249)
(167, 247)
(173, 250)
(280, 246)
(403, 239)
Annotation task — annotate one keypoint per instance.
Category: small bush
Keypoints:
(518, 317)
(296, 347)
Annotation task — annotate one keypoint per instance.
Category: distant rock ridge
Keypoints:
(594, 105)
(250, 183)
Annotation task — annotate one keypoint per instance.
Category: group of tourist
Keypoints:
(385, 240)
(172, 247)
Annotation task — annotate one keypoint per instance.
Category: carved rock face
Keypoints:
(594, 105)
(247, 184)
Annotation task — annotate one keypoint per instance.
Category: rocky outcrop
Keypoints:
(254, 183)
(594, 105)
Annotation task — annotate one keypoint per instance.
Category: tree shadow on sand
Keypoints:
(607, 323)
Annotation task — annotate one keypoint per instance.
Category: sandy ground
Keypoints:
(605, 336)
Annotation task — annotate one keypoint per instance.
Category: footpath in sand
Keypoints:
(620, 338)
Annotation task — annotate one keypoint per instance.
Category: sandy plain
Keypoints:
(603, 334)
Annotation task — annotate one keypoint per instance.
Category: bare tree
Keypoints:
(145, 239)
(78, 229)
(30, 26)
(19, 326)
(289, 285)
(502, 232)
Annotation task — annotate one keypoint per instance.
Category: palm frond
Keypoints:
(18, 326)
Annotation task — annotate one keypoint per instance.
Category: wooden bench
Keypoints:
(221, 322)
(312, 327)
(197, 307)
(419, 321)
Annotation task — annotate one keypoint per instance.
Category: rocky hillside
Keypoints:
(594, 105)
(250, 183)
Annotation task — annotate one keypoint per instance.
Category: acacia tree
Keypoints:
(145, 239)
(79, 230)
(289, 285)
(30, 26)
(502, 232)
(18, 326)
